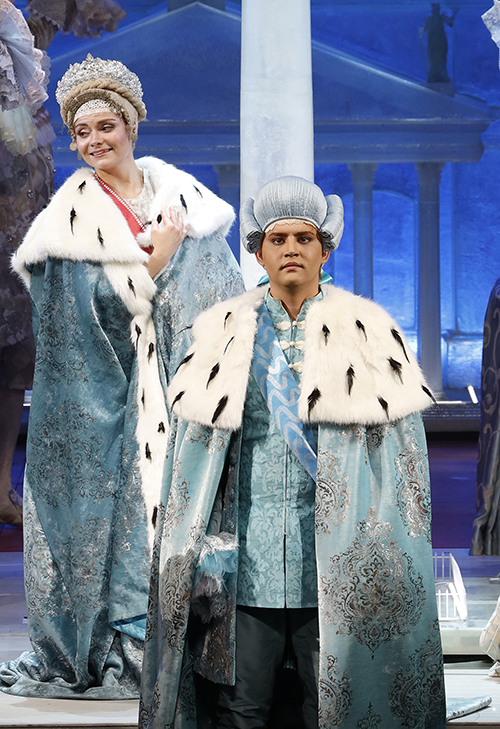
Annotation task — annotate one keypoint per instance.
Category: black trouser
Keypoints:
(262, 635)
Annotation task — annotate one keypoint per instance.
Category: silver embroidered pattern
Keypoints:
(372, 591)
(175, 587)
(371, 720)
(212, 440)
(94, 106)
(95, 68)
(417, 691)
(335, 693)
(333, 496)
(413, 494)
(178, 501)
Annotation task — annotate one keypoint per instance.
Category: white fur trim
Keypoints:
(206, 213)
(144, 239)
(94, 214)
(226, 340)
(17, 264)
(326, 362)
(122, 263)
(82, 223)
(134, 286)
(152, 424)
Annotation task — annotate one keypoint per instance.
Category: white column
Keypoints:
(429, 289)
(362, 179)
(228, 177)
(276, 117)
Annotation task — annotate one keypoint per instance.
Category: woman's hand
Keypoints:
(166, 240)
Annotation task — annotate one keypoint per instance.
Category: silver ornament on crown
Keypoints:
(96, 68)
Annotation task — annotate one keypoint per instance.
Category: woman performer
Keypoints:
(114, 296)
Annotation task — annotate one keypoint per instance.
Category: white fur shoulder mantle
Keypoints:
(358, 368)
(82, 223)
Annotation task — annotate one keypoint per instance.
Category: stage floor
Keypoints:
(16, 711)
(453, 473)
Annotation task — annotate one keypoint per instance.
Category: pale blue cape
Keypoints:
(87, 558)
(380, 649)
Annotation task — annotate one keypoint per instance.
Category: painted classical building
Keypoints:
(418, 164)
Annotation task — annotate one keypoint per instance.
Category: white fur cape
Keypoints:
(83, 224)
(358, 368)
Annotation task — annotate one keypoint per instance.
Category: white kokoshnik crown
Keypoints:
(108, 81)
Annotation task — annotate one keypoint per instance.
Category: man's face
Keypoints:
(292, 254)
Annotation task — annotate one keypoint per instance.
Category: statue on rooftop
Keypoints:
(437, 43)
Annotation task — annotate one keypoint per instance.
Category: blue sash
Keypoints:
(281, 392)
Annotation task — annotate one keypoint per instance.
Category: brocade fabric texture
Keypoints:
(87, 552)
(380, 660)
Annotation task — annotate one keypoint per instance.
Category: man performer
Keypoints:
(296, 504)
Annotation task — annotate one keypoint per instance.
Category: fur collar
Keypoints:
(205, 212)
(358, 368)
(82, 223)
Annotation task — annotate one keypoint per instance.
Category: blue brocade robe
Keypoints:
(108, 341)
(380, 648)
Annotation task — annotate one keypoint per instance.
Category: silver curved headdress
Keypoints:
(109, 81)
(291, 198)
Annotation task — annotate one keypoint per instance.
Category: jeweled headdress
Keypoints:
(291, 198)
(107, 80)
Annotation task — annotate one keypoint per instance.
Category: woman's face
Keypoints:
(103, 141)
